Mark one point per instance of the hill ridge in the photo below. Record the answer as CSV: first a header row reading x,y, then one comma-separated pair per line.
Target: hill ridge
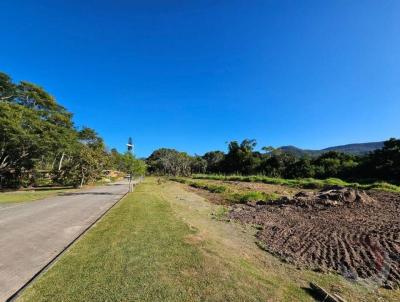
x,y
353,148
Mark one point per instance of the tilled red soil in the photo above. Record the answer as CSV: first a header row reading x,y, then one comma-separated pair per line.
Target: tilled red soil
x,y
356,239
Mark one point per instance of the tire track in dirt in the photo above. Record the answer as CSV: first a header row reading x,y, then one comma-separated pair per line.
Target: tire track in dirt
x,y
358,240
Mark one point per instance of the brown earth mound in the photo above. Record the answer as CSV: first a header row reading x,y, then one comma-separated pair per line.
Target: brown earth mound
x,y
354,233
335,196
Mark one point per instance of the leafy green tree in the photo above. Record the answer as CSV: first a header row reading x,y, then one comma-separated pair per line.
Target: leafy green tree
x,y
86,162
7,87
198,165
116,161
276,163
127,163
37,136
20,145
83,166
239,158
334,164
90,138
169,162
34,130
214,161
132,165
301,168
383,163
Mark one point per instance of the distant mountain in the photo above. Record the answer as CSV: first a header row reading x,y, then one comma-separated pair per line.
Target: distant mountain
x,y
355,149
299,152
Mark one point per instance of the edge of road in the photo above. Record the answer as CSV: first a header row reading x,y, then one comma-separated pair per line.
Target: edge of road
x,y
16,294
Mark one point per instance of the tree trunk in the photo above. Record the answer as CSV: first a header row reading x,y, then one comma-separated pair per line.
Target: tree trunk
x,y
83,178
61,160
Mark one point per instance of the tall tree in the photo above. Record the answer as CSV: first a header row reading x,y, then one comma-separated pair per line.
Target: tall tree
x,y
169,162
87,160
214,160
7,88
384,163
36,133
239,158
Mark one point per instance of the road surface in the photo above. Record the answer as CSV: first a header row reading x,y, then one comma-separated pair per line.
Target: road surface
x,y
33,233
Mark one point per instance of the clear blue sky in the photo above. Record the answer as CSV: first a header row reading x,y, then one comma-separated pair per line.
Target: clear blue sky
x,y
193,75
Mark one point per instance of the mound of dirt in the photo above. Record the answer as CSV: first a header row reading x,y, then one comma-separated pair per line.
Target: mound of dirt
x,y
354,233
335,196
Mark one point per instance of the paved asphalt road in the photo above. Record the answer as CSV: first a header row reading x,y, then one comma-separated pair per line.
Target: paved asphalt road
x,y
33,233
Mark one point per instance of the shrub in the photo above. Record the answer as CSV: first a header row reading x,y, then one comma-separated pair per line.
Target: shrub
x,y
178,179
216,188
252,196
200,185
335,182
382,186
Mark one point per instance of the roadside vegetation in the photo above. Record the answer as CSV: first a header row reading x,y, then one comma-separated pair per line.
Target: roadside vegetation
x,y
303,183
22,196
40,145
230,195
378,170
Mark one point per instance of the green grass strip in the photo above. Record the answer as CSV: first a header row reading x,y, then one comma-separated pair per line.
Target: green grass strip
x,y
305,183
23,196
140,251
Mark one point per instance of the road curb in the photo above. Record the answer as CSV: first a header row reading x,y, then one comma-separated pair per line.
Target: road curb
x,y
55,258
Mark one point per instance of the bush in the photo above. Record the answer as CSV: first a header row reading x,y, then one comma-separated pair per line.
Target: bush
x,y
216,188
252,196
178,179
200,185
381,186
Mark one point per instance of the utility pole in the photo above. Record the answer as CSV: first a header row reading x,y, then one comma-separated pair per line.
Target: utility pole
x,y
130,150
130,145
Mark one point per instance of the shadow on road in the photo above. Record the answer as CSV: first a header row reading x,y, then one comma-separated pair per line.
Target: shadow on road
x,y
86,193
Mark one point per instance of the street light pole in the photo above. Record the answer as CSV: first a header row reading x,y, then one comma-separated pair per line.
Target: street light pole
x,y
130,145
130,184
130,150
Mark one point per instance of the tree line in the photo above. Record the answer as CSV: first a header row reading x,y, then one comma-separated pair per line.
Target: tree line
x,y
39,142
241,158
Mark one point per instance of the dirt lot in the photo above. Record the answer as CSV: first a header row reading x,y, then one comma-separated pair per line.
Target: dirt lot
x,y
267,188
212,197
360,239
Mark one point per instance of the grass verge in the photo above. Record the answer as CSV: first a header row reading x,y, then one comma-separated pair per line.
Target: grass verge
x,y
305,183
23,196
